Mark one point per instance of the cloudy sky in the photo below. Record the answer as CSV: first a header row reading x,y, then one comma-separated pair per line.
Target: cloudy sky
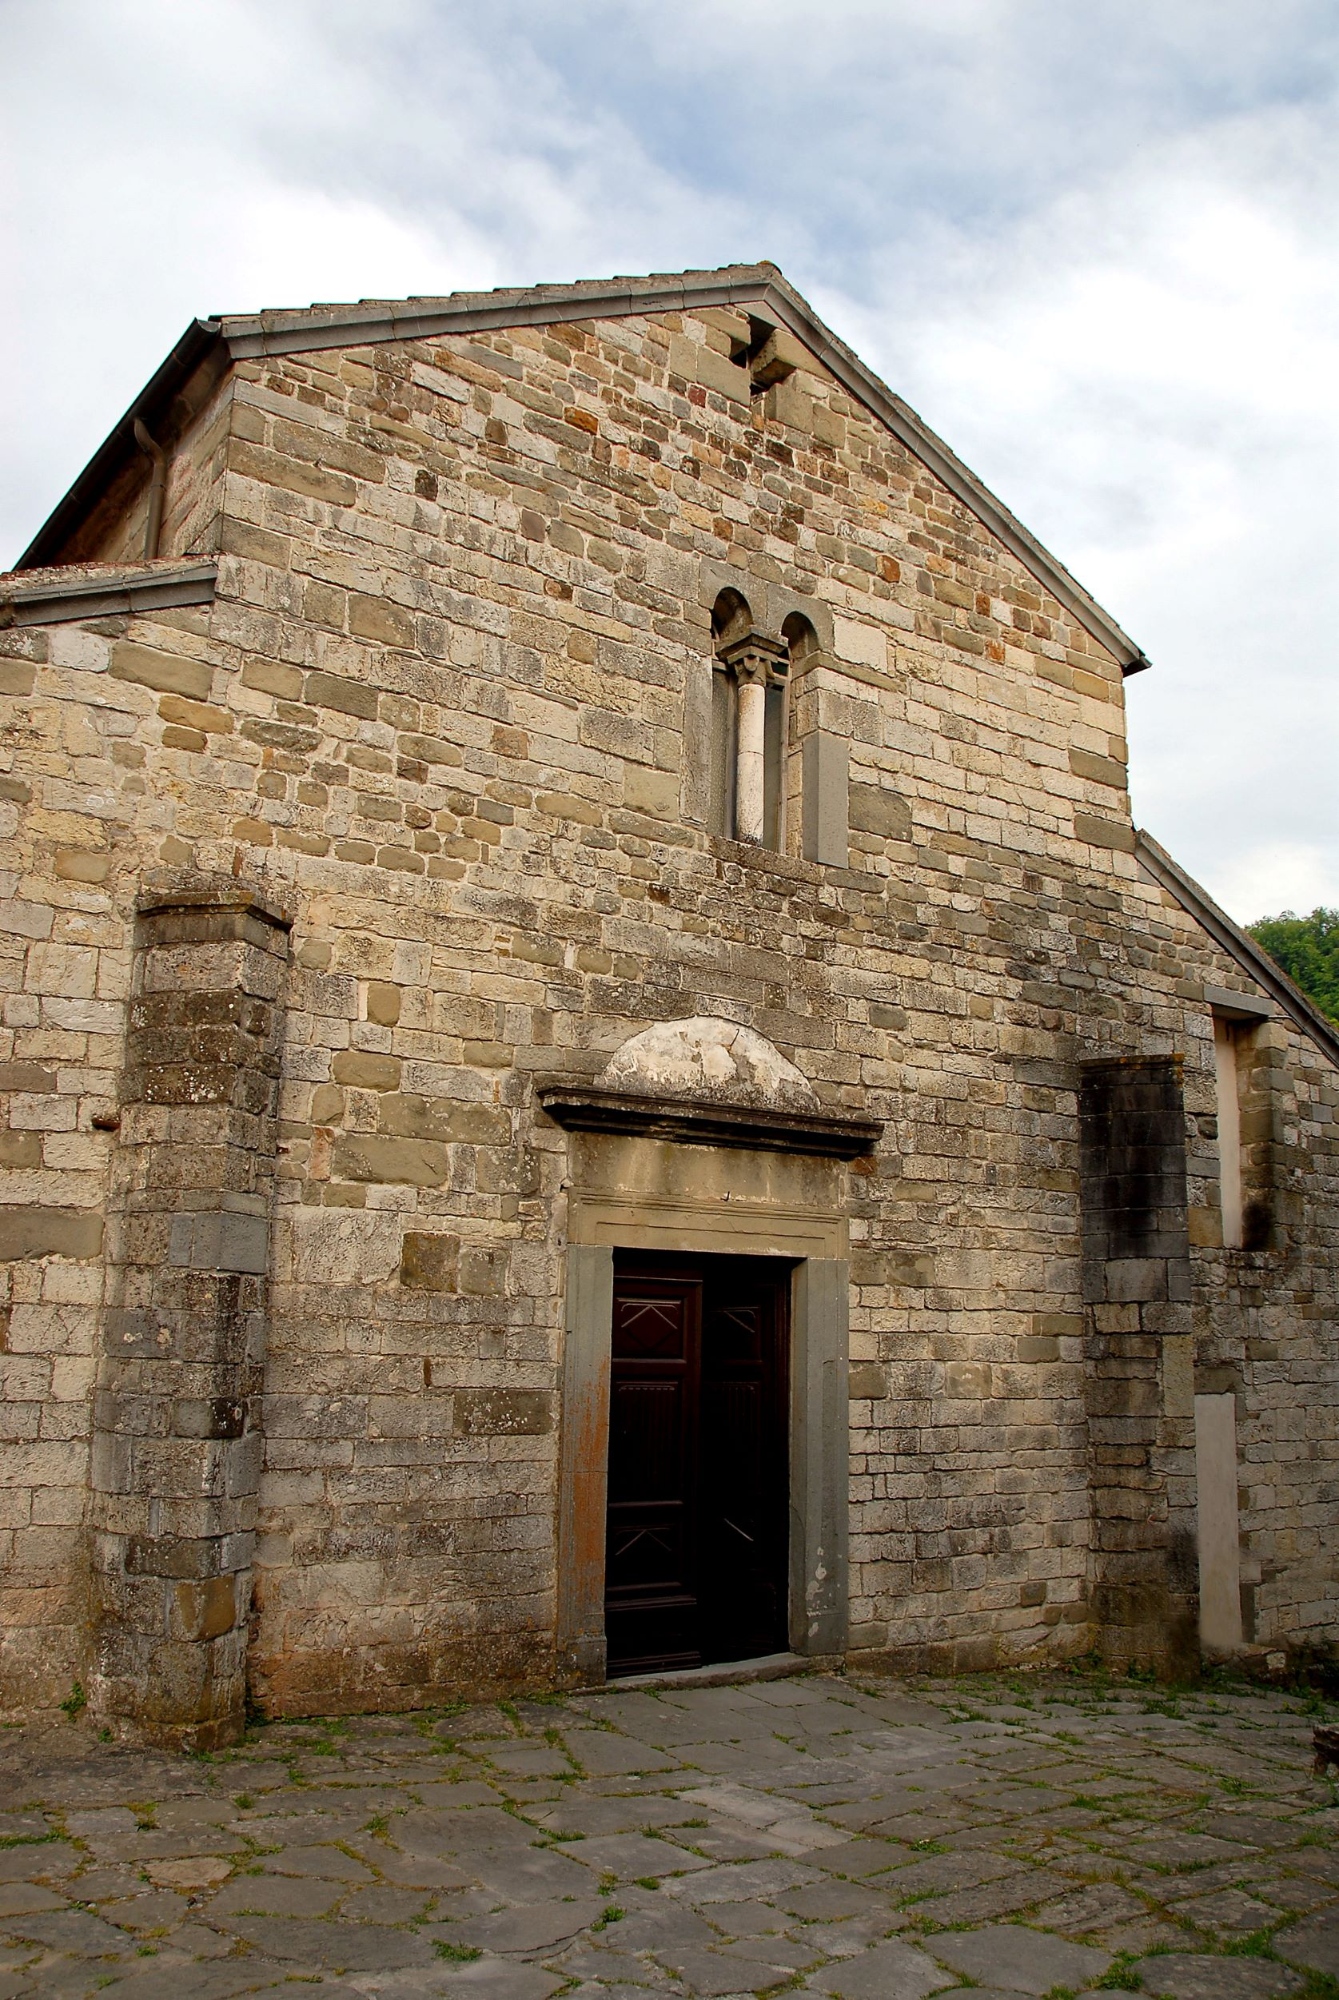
x,y
1096,245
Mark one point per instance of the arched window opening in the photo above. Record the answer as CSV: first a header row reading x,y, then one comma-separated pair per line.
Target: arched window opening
x,y
748,737
775,717
724,751
818,774
731,620
801,641
750,721
802,652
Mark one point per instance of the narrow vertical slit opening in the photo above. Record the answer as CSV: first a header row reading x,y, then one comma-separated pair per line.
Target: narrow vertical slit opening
x,y
1228,1087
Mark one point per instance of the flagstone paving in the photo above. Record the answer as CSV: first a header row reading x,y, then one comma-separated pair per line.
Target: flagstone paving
x,y
832,1836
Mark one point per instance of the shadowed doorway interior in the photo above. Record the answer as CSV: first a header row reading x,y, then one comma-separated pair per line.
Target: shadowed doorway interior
x,y
696,1556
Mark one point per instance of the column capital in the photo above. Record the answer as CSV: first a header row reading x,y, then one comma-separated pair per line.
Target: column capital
x,y
756,657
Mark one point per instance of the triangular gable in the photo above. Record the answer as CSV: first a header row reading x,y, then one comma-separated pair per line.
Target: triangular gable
x,y
756,288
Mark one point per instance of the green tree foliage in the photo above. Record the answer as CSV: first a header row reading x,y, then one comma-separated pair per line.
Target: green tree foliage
x,y
1308,950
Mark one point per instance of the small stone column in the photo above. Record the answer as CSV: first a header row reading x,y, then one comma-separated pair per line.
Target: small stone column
x,y
177,1443
753,661
750,775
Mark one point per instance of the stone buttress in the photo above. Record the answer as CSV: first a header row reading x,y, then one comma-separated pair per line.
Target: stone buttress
x,y
176,1443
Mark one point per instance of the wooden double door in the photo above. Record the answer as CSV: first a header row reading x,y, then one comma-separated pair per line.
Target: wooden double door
x,y
696,1554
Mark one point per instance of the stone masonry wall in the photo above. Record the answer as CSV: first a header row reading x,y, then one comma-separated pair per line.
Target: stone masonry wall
x,y
181,1369
194,433
1137,1290
73,777
448,708
1261,1320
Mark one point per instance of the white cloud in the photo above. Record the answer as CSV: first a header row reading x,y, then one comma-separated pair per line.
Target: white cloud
x,y
1096,247
1252,884
1147,372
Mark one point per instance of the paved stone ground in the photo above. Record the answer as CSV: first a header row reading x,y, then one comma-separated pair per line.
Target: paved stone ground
x,y
1020,1835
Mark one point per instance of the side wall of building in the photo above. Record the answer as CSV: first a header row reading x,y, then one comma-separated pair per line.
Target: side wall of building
x,y
1264,1318
89,711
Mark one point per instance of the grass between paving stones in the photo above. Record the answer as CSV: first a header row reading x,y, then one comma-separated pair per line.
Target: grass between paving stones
x,y
323,1738
1120,1976
429,1720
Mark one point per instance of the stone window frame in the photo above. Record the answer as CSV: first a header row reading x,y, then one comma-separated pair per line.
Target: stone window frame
x,y
782,811
1245,1148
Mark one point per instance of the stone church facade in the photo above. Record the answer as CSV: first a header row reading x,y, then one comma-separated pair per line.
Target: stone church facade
x,y
595,1076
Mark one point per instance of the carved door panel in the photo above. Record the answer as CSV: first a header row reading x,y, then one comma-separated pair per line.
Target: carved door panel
x,y
743,1482
696,1551
651,1606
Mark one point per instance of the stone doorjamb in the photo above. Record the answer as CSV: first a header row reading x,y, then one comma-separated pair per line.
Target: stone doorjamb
x,y
692,1211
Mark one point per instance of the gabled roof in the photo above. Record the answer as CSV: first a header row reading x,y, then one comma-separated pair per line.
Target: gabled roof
x,y
1254,961
758,288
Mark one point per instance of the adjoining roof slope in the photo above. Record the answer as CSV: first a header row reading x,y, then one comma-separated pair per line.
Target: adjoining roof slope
x,y
1254,961
760,288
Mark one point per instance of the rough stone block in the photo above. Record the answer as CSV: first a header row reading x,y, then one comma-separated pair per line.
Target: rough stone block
x,y
429,1263
49,1232
502,1412
166,673
408,1162
878,809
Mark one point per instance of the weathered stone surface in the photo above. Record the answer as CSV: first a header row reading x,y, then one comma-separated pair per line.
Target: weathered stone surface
x,y
498,1979
1314,1944
1194,1976
69,1930
1020,1960
429,1263
474,770
48,1232
274,1896
532,1926
502,1412
893,1970
712,1057
631,1856
25,1899
340,1947
340,1845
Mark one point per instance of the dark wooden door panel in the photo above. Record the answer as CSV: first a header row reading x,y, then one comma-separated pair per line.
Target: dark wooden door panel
x,y
651,1613
744,1504
696,1555
649,1328
646,1440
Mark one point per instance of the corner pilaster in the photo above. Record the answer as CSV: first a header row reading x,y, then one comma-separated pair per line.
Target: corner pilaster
x,y
177,1439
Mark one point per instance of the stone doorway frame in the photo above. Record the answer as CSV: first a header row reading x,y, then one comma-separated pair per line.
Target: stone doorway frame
x,y
819,1441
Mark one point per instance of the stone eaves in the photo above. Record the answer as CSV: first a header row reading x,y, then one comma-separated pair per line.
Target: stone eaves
x,y
758,288
104,590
